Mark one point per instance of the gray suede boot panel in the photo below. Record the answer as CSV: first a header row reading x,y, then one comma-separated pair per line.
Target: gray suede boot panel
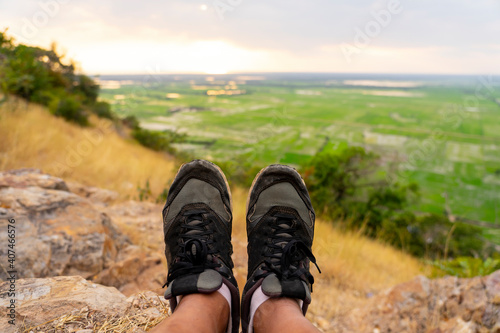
x,y
209,280
197,191
281,194
271,285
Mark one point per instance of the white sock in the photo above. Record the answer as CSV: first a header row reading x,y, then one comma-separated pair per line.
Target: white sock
x,y
258,298
224,291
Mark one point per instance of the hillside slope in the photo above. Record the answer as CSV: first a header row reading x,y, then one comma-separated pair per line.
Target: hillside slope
x,y
354,267
97,155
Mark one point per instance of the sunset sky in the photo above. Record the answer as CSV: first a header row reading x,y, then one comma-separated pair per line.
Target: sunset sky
x,y
186,36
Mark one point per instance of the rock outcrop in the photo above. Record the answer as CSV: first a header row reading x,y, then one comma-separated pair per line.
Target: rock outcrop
x,y
141,266
98,196
71,303
57,232
439,306
65,229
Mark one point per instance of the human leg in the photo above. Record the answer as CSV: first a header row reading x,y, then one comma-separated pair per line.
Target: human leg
x,y
204,313
281,314
197,223
280,228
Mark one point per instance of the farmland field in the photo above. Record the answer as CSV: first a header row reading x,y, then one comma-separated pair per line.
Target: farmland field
x,y
441,132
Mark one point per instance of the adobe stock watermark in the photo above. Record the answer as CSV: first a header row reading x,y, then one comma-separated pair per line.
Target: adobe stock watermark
x,y
75,155
262,146
138,91
372,29
453,116
47,10
223,6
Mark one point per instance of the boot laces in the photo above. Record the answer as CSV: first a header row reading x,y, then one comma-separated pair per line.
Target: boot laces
x,y
286,252
195,252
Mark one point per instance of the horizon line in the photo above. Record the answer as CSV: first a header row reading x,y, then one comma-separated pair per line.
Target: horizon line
x,y
291,72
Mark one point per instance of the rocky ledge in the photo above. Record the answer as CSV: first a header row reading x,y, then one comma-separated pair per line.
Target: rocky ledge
x,y
422,305
73,304
70,229
85,263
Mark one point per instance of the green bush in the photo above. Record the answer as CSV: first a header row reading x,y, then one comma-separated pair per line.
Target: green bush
x,y
434,236
240,170
347,184
103,110
40,76
131,122
69,109
144,193
335,176
465,267
24,75
157,140
87,88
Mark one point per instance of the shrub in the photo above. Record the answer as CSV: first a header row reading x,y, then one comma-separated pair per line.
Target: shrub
x,y
69,109
466,267
240,170
131,122
157,140
347,184
103,110
40,76
434,236
144,193
87,88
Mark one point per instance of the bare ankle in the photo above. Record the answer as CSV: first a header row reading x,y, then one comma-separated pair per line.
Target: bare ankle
x,y
198,313
281,314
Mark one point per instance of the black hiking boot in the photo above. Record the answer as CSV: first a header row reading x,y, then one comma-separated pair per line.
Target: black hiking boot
x,y
197,228
280,229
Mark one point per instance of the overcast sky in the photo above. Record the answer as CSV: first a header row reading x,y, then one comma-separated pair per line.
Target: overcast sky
x,y
386,36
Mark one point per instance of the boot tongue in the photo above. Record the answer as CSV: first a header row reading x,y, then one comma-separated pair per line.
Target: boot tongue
x,y
194,223
285,238
296,288
196,251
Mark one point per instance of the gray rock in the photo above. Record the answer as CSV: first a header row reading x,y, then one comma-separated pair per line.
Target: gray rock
x,y
57,232
97,196
41,300
73,304
422,305
22,178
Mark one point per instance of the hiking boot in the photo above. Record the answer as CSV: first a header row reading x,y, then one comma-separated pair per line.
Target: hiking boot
x,y
280,229
197,228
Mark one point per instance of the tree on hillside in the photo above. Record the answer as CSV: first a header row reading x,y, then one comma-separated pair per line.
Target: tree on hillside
x,y
334,177
41,76
347,183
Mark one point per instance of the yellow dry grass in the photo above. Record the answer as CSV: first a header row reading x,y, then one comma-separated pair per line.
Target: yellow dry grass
x,y
97,156
353,266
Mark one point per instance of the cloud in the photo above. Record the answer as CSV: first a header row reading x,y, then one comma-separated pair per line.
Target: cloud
x,y
266,30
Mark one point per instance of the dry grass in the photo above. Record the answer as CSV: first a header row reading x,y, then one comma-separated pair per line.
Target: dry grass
x,y
97,156
353,266
138,318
